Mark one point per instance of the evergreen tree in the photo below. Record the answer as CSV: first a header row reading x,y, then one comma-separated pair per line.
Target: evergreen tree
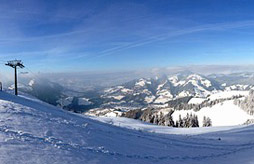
x,y
180,121
207,122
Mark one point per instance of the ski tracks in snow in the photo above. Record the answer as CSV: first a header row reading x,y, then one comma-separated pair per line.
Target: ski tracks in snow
x,y
205,148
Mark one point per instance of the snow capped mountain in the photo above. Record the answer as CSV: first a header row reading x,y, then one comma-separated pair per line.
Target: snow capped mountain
x,y
180,94
159,91
238,87
194,79
142,82
136,94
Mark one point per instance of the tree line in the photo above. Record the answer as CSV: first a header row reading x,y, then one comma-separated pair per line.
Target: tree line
x,y
155,116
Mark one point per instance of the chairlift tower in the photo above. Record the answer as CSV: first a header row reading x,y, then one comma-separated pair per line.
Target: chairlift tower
x,y
15,64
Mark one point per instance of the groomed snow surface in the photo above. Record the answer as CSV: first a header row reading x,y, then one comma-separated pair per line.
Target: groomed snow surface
x,y
34,132
222,114
228,94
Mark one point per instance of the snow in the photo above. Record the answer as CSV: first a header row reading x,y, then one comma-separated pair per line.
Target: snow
x,y
196,100
165,93
119,97
161,85
164,96
31,83
174,80
146,91
228,94
65,102
165,111
199,90
162,100
201,84
160,105
223,114
142,82
125,90
206,83
110,90
149,99
35,132
148,127
194,78
182,82
237,87
114,89
184,94
224,84
84,101
113,114
25,87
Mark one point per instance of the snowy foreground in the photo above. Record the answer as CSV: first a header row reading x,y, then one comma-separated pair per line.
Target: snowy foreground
x,y
35,132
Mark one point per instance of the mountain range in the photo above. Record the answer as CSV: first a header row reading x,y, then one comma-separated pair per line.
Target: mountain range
x,y
138,93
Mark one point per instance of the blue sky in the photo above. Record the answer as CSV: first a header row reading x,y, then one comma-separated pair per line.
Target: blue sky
x,y
99,35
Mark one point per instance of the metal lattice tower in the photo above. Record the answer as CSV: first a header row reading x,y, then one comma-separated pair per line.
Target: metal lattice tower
x,y
15,64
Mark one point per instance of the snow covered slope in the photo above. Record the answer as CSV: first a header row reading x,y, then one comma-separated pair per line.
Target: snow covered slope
x,y
35,132
223,114
152,128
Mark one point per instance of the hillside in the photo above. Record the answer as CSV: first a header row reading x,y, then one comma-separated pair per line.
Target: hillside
x,y
34,132
219,108
223,114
